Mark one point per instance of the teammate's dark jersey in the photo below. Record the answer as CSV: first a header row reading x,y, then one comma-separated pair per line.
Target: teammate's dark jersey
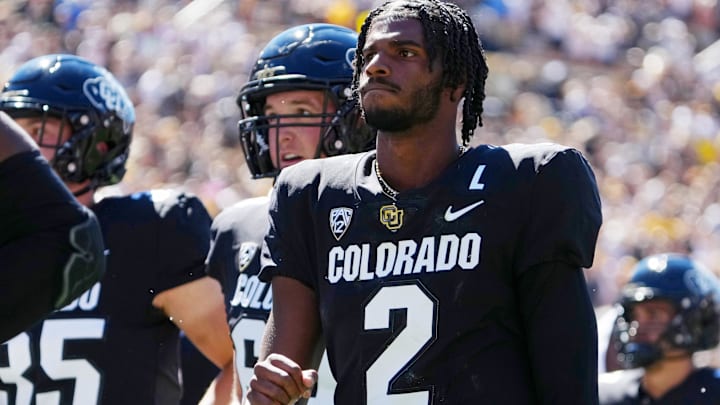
x,y
111,346
197,371
623,387
234,260
418,298
50,246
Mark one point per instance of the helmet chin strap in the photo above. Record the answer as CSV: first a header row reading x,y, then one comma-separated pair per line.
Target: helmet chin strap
x,y
90,186
83,191
640,355
321,145
676,356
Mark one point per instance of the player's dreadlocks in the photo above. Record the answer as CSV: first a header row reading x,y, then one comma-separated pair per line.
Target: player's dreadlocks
x,y
463,59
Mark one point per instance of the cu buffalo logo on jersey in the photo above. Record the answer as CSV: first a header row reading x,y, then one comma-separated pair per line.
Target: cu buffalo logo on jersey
x,y
340,221
391,217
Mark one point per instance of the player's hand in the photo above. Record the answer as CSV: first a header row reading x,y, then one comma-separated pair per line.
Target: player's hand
x,y
279,380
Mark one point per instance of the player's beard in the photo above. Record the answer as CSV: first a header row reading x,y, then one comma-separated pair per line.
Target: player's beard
x,y
424,102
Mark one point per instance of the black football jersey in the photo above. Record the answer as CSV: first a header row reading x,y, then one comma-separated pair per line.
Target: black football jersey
x,y
234,260
197,372
416,297
111,345
50,246
623,387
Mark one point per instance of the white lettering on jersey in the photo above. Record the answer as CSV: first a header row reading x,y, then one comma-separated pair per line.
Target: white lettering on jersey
x,y
396,258
250,292
475,182
87,301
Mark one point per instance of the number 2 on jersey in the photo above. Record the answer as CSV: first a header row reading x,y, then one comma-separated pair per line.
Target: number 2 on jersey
x,y
400,353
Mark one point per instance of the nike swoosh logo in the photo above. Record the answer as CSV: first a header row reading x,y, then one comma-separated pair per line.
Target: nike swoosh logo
x,y
451,216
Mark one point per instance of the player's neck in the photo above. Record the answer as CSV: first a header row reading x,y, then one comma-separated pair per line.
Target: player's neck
x,y
82,192
409,162
665,374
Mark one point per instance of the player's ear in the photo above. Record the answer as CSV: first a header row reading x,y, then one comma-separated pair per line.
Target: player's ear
x,y
457,93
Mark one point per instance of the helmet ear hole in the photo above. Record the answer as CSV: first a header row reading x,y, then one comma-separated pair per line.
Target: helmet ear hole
x,y
341,92
102,147
332,142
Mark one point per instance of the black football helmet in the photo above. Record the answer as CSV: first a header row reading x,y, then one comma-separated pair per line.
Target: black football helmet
x,y
693,291
305,57
90,99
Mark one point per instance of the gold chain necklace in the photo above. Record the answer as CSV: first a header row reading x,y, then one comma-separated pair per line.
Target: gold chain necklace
x,y
390,192
386,189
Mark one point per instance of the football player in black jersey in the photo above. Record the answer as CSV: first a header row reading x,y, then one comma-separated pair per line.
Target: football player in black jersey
x,y
118,342
668,310
432,272
51,248
295,106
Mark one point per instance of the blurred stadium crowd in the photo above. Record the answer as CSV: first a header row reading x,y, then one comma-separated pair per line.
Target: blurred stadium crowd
x,y
635,85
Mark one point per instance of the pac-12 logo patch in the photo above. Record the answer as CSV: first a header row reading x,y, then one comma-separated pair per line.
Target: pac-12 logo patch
x,y
340,221
247,252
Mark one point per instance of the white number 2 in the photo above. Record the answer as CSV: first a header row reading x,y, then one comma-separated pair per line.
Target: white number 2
x,y
419,330
52,339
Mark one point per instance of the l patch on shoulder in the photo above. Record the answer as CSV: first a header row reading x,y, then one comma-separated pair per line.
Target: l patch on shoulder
x,y
340,221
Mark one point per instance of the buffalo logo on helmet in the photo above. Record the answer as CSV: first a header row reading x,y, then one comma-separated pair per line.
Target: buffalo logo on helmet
x,y
106,95
350,56
269,71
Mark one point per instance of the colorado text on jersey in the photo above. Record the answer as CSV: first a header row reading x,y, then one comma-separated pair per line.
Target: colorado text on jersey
x,y
394,258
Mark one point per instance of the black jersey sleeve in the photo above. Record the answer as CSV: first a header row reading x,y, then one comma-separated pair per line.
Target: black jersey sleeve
x,y
558,240
185,232
51,248
237,234
219,256
564,210
560,326
288,245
